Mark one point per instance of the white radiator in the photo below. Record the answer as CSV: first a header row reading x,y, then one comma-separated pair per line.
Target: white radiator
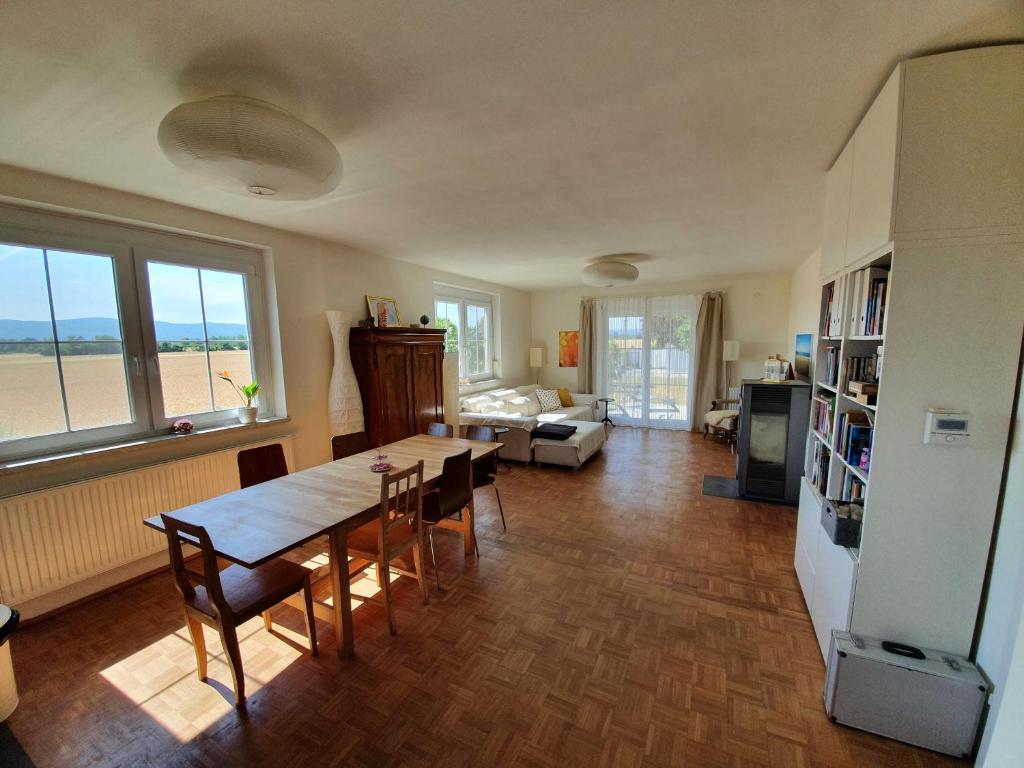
x,y
64,543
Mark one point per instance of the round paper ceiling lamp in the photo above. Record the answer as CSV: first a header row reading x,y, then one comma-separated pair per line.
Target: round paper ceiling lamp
x,y
608,274
250,147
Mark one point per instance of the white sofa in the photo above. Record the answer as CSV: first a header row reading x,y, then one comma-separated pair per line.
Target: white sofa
x,y
518,409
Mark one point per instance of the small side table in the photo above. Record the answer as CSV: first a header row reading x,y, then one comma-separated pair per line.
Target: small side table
x,y
498,431
606,400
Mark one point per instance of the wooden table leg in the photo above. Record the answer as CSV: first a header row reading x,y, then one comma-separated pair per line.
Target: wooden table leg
x,y
342,597
468,529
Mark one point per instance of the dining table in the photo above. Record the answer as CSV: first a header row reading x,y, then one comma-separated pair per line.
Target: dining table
x,y
254,525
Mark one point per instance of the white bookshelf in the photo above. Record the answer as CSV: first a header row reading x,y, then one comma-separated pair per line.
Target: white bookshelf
x,y
951,338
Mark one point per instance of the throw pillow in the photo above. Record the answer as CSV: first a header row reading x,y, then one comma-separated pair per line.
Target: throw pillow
x,y
565,397
549,400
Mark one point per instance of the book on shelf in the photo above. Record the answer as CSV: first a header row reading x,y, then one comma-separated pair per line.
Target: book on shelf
x,y
854,428
819,467
833,322
853,488
858,447
831,366
867,305
824,406
864,369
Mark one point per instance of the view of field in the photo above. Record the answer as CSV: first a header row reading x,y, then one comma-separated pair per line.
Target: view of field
x,y
30,402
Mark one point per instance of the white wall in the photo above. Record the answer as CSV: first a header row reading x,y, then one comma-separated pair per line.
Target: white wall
x,y
755,313
804,301
310,276
1001,645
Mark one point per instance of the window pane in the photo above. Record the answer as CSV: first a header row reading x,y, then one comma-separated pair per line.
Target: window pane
x,y
94,379
227,333
89,339
24,303
181,338
477,340
84,296
31,403
446,315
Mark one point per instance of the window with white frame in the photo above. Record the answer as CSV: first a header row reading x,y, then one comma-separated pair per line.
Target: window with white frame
x,y
468,317
108,332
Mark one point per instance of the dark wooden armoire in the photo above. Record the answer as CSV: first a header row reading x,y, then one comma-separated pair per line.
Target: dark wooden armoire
x,y
399,374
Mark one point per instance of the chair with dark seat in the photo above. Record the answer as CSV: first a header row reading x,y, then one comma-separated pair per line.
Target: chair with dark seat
x,y
257,465
398,529
485,471
267,462
349,445
437,429
454,493
225,599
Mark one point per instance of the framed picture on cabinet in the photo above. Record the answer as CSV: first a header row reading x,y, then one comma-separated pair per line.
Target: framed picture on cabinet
x,y
384,311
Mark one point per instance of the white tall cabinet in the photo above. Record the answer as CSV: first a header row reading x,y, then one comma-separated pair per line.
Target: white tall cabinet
x,y
931,187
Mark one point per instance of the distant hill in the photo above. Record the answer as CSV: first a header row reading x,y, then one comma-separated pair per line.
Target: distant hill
x,y
90,327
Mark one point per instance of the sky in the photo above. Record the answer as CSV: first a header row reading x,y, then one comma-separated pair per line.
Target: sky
x,y
83,286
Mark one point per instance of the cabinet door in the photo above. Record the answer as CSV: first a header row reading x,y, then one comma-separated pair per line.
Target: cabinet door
x,y
394,380
961,153
873,180
808,521
837,213
835,574
428,397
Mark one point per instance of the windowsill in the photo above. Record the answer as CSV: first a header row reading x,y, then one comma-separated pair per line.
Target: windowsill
x,y
75,465
479,386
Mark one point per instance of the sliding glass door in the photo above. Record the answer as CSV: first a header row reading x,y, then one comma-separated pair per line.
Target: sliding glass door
x,y
644,361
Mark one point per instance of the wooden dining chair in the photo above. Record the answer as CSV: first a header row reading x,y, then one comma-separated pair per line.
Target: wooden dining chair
x,y
349,445
437,429
453,494
264,463
485,471
225,599
397,530
260,464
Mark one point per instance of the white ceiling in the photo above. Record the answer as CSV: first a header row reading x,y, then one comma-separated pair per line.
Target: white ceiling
x,y
507,140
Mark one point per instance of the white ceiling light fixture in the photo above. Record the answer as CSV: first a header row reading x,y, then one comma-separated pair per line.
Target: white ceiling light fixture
x,y
250,147
611,271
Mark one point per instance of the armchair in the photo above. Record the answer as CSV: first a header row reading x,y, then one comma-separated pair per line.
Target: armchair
x,y
721,420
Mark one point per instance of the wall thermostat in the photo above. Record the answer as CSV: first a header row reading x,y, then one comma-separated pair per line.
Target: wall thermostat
x,y
946,427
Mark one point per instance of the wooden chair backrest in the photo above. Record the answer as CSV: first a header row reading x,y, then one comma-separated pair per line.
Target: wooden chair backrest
x,y
478,432
437,429
185,579
260,464
456,485
349,445
401,499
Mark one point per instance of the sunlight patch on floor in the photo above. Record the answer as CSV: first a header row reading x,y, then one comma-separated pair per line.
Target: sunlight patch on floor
x,y
161,678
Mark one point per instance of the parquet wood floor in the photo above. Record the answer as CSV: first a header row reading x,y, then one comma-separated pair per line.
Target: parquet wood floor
x,y
623,620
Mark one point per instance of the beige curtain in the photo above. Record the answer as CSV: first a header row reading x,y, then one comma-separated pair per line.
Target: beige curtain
x,y
708,367
585,369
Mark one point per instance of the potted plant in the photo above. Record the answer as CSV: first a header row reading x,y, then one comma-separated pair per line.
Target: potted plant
x,y
248,392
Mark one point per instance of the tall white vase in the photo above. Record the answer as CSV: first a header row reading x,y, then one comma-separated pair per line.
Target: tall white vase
x,y
344,404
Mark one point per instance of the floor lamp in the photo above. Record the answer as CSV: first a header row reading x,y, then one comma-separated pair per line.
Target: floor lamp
x,y
730,354
537,360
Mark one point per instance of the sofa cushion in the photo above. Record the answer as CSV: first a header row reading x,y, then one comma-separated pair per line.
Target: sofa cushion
x,y
475,403
526,406
565,397
549,400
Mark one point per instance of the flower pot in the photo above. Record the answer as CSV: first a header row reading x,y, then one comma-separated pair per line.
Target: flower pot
x,y
247,415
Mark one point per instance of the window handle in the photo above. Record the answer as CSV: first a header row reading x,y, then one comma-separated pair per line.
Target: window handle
x,y
136,365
